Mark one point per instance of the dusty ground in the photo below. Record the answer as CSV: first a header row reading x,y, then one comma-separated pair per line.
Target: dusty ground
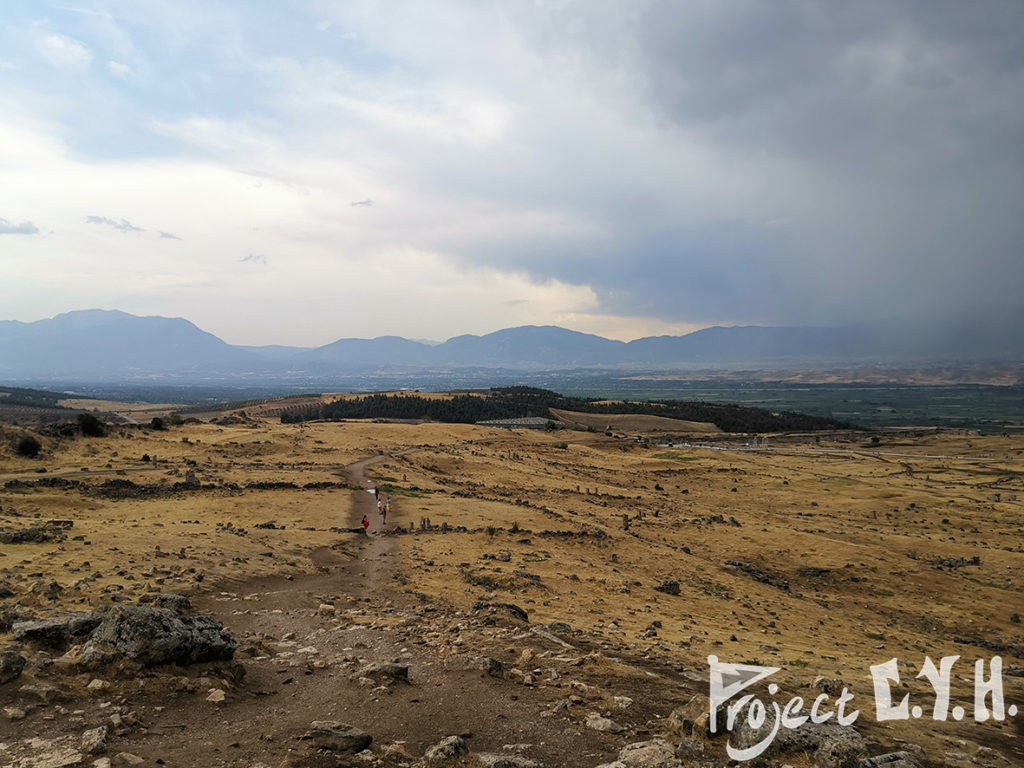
x,y
820,557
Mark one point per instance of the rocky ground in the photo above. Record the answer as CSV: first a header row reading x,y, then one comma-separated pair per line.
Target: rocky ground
x,y
534,600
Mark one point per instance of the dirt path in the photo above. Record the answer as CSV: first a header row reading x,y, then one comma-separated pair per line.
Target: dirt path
x,y
263,718
305,665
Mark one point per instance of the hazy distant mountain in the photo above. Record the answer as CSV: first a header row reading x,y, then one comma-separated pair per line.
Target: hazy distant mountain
x,y
99,343
755,343
273,351
363,353
104,345
530,346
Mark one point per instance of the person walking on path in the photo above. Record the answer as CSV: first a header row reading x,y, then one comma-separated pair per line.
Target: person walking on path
x,y
376,493
366,524
380,507
387,507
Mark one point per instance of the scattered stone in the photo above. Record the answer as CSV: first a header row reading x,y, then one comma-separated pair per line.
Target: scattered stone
x,y
656,753
98,685
58,757
493,760
127,758
987,756
511,609
216,696
690,749
50,590
447,748
486,664
385,670
682,719
8,618
833,686
603,724
56,634
94,741
326,609
14,713
33,535
40,692
669,587
338,737
760,575
890,760
173,602
11,666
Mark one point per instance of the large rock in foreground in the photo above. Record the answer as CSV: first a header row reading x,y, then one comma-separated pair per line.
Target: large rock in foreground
x,y
829,745
153,636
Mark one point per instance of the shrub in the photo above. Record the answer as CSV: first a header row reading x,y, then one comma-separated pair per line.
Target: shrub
x,y
90,426
157,423
28,447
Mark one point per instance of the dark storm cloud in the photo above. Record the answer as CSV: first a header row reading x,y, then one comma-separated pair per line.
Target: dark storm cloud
x,y
884,142
123,225
24,228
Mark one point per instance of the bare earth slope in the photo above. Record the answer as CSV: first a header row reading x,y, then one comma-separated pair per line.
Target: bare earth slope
x,y
634,423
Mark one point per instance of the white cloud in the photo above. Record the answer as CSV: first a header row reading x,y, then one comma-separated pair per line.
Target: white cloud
x,y
333,278
24,228
119,70
63,51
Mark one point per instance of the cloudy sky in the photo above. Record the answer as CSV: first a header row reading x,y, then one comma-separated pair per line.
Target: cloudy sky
x,y
296,172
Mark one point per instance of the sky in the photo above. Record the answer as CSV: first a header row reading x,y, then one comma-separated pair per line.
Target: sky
x,y
293,173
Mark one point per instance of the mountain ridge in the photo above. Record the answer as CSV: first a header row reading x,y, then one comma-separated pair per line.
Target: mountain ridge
x,y
111,342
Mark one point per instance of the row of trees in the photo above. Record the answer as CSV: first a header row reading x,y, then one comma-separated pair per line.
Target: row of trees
x,y
517,402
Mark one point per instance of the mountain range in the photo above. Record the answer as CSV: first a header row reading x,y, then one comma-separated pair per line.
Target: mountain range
x,y
101,344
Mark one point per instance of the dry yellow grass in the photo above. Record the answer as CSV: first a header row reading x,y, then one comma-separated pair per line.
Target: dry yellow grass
x,y
635,423
817,562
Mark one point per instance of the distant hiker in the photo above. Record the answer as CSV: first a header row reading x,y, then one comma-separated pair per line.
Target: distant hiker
x,y
380,507
384,516
366,524
376,493
387,507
